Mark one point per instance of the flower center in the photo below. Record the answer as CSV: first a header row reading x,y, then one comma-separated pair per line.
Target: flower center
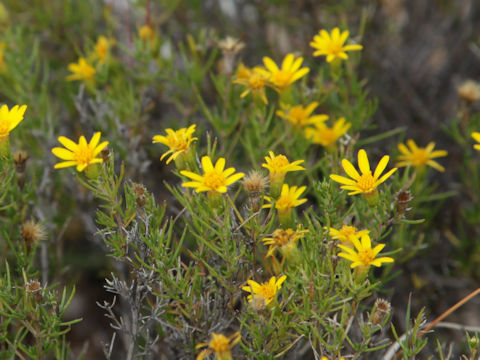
x,y
283,237
177,142
214,179
267,291
297,115
281,78
257,81
219,344
366,182
335,48
366,256
420,157
327,136
284,204
83,155
279,162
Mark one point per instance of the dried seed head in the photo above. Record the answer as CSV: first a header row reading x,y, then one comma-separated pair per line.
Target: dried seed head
x,y
231,45
32,232
258,303
105,154
402,199
20,157
255,183
32,286
381,310
139,190
469,91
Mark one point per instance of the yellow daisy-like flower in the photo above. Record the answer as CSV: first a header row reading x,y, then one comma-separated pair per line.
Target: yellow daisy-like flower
x,y
102,47
333,45
419,157
365,183
9,119
81,71
300,116
215,178
282,78
146,33
254,80
264,293
220,345
327,136
347,233
278,165
289,198
283,239
178,141
476,137
363,254
80,155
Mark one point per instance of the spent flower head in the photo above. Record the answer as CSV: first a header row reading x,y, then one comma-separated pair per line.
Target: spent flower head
x,y
263,294
301,116
214,178
81,71
332,45
419,157
469,91
362,254
327,136
366,183
80,155
178,141
283,239
282,78
220,345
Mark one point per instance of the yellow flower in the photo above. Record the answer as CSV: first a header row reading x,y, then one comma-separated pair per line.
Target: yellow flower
x,y
146,33
332,45
326,136
263,293
80,155
102,48
254,80
364,255
419,157
300,116
365,183
81,71
476,137
178,141
9,119
285,240
289,198
282,78
278,165
347,233
220,345
215,178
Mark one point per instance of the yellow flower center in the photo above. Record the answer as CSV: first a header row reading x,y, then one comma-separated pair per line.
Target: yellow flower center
x,y
366,182
284,204
214,179
334,48
297,115
278,162
177,142
348,231
420,157
282,78
256,81
327,137
266,291
219,343
84,154
366,256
